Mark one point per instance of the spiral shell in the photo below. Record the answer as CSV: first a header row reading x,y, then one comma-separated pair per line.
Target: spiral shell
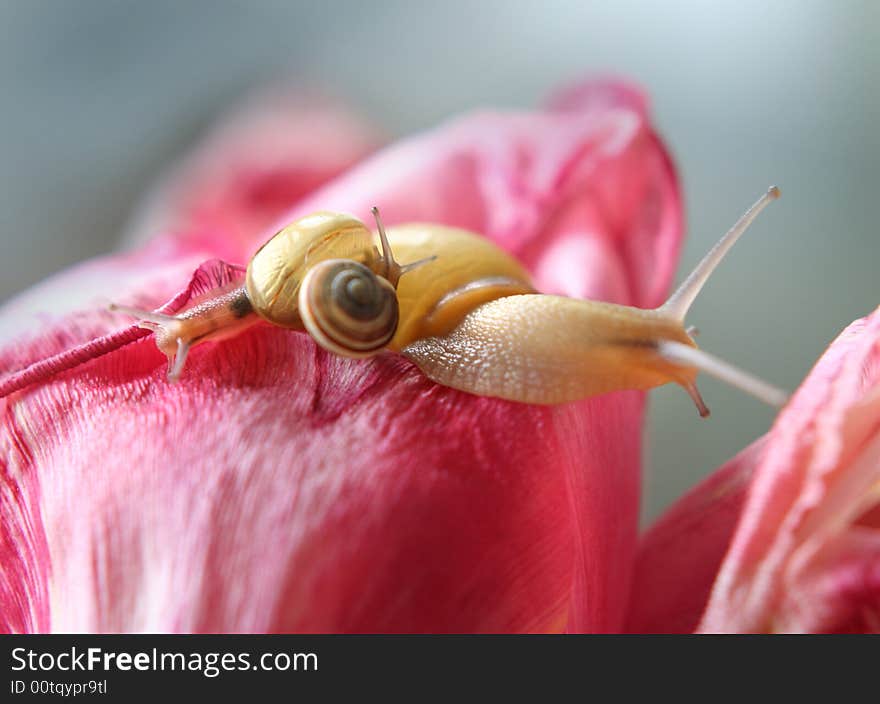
x,y
347,308
277,270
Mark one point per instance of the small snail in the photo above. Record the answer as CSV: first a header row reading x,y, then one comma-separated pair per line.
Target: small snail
x,y
322,274
471,319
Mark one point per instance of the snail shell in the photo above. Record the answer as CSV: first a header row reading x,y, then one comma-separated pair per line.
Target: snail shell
x,y
347,308
277,270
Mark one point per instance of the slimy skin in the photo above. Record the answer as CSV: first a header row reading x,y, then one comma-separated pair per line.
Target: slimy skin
x,y
551,349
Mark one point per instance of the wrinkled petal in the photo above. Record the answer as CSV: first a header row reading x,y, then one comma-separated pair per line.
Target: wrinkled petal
x,y
805,556
280,488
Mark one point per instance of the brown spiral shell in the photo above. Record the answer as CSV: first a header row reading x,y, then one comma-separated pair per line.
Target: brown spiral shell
x,y
347,308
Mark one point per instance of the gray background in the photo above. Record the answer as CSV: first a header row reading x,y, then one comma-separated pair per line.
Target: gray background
x,y
99,96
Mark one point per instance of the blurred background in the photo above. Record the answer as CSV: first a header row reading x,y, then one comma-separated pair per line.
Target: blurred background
x,y
99,97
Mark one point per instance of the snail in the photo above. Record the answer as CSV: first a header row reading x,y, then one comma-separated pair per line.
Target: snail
x,y
471,319
321,274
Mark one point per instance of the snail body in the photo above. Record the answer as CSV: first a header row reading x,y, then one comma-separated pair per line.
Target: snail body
x,y
547,349
578,349
470,319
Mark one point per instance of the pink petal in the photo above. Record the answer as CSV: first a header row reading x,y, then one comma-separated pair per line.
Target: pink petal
x,y
280,488
280,146
805,553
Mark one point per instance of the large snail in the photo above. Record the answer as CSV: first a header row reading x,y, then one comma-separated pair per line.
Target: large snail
x,y
470,318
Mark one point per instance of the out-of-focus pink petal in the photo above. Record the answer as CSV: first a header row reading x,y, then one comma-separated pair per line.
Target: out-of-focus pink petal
x,y
805,553
679,556
282,145
277,487
601,94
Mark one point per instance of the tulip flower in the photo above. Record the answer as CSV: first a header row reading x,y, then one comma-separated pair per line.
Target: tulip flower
x,y
277,487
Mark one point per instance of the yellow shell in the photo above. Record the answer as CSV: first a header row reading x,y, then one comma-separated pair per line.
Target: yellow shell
x,y
276,271
469,270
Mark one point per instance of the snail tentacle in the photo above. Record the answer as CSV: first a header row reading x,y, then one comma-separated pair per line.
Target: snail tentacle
x,y
176,363
392,269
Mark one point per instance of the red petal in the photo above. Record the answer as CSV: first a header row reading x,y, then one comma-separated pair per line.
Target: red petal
x,y
679,557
